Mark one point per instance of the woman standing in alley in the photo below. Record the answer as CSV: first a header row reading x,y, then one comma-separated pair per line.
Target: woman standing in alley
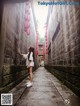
x,y
29,63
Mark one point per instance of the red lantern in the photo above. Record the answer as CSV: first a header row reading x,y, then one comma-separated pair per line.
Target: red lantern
x,y
28,31
43,58
46,41
36,43
27,18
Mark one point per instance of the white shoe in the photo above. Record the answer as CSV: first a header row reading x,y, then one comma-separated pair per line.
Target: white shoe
x,y
29,84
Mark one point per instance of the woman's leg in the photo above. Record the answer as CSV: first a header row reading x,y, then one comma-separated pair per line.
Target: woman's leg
x,y
30,71
29,84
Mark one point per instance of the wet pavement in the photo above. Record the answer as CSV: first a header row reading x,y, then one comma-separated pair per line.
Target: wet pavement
x,y
47,90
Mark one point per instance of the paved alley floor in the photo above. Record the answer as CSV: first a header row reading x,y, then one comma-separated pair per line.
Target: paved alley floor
x,y
47,90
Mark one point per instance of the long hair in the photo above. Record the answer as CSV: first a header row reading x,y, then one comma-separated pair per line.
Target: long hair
x,y
31,49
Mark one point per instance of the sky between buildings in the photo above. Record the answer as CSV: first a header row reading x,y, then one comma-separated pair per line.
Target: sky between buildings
x,y
41,16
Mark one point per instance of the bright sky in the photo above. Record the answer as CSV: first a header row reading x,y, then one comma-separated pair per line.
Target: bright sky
x,y
41,15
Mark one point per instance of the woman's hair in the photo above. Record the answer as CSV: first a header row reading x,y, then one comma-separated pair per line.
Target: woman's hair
x,y
31,49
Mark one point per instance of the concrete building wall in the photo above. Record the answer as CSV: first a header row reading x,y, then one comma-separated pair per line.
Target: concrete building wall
x,y
2,43
64,38
67,18
13,33
13,68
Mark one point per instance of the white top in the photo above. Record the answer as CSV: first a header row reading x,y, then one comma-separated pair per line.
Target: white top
x,y
29,63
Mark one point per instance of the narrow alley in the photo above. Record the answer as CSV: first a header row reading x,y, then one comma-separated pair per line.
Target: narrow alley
x,y
47,90
40,52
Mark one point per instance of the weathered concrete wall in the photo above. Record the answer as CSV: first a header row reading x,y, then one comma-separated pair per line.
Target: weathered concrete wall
x,y
12,75
1,13
70,76
14,37
2,39
1,61
63,34
65,45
